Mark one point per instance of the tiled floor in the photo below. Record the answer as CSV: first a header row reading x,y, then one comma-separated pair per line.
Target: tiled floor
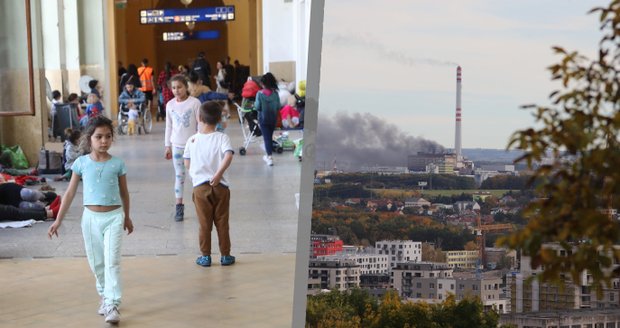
x,y
48,284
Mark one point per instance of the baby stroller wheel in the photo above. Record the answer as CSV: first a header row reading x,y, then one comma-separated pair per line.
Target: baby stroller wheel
x,y
120,124
241,151
147,122
279,150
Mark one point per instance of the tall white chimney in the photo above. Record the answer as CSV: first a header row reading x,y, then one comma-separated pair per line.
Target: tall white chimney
x,y
457,132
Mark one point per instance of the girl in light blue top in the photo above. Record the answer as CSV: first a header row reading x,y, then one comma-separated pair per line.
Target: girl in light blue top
x,y
106,211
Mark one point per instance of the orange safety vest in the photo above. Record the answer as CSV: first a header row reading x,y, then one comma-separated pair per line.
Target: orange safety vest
x,y
146,78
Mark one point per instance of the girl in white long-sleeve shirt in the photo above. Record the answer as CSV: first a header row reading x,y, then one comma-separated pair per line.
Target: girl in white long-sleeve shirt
x,y
181,123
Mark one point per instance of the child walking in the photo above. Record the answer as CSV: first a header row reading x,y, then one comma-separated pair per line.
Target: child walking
x,y
207,155
106,212
181,123
267,105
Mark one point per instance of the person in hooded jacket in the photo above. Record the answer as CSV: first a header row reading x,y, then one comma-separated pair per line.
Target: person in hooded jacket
x,y
267,105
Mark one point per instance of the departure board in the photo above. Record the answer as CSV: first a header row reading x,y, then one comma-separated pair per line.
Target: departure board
x,y
182,15
194,35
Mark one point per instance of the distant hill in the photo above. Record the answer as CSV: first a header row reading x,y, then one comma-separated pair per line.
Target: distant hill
x,y
491,155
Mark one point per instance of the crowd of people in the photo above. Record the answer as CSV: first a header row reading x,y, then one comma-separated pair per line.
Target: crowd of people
x,y
194,141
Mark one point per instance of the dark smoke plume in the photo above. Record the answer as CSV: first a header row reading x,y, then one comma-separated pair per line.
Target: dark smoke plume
x,y
370,43
362,139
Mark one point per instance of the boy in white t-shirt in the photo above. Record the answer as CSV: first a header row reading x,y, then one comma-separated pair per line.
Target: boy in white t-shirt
x,y
207,155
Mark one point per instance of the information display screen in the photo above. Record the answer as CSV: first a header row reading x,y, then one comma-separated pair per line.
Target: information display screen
x,y
195,35
182,15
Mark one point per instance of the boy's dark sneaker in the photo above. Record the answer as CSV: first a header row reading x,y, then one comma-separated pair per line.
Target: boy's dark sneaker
x,y
227,260
178,216
204,261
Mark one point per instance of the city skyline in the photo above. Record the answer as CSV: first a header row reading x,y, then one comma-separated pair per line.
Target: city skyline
x,y
398,63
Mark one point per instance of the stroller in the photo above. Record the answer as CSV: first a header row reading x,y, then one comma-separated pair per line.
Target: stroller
x,y
145,119
248,117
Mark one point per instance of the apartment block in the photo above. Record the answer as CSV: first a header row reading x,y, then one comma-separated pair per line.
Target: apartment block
x,y
321,245
424,281
462,259
369,263
488,286
400,251
338,273
534,296
434,282
585,318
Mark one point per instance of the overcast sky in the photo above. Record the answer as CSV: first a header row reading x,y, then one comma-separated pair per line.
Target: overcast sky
x,y
397,60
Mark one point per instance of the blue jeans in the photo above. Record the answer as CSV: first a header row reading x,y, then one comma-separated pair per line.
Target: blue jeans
x,y
267,130
31,199
103,232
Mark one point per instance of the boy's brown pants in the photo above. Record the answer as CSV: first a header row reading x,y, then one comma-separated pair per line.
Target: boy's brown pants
x,y
212,207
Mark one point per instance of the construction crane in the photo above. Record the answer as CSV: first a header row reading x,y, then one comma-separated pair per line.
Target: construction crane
x,y
481,230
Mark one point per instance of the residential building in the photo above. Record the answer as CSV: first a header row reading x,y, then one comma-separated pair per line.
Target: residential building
x,y
462,259
495,257
321,245
487,286
376,284
428,281
534,296
400,251
351,249
417,202
584,318
368,262
338,273
461,206
434,282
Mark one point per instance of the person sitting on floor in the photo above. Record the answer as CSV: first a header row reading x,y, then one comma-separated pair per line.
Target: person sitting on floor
x,y
289,114
72,151
132,118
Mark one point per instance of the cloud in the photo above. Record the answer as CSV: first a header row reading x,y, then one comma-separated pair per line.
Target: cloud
x,y
362,139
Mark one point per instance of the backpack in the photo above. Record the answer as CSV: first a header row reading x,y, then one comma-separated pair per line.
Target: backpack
x,y
250,89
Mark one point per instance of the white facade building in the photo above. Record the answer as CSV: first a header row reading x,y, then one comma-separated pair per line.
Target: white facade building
x,y
369,263
400,251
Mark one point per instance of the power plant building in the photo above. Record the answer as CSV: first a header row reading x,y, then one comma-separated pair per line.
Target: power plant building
x,y
432,163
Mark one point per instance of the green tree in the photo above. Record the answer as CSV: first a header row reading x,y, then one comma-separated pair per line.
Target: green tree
x,y
331,310
579,131
356,308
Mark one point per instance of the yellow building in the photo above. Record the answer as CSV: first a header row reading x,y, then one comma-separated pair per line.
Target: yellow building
x,y
462,259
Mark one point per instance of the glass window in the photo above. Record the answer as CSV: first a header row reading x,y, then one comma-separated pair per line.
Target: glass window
x,y
16,59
